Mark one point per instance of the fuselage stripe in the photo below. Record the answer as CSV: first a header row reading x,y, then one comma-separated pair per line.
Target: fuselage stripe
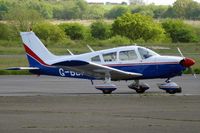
x,y
135,64
32,54
38,61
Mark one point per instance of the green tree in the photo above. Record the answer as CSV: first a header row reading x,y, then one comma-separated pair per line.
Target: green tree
x,y
159,11
116,12
193,10
180,7
72,9
22,18
5,31
144,10
179,31
49,32
3,9
45,9
94,12
137,26
75,31
81,7
170,13
100,30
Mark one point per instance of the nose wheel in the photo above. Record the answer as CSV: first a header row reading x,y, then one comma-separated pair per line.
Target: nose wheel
x,y
170,87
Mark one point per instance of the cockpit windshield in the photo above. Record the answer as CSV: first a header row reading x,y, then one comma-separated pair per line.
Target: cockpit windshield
x,y
146,53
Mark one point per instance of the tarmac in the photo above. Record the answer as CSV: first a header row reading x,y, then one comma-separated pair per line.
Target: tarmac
x,y
52,104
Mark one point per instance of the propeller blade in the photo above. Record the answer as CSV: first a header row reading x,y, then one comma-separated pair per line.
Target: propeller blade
x,y
190,68
193,73
180,52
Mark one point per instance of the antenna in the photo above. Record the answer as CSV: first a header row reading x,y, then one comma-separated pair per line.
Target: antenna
x,y
90,48
70,52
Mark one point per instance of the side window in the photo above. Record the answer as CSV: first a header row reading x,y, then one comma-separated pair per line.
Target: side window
x,y
145,53
96,59
127,55
110,57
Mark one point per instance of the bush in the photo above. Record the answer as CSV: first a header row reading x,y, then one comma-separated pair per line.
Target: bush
x,y
7,32
137,26
4,31
179,31
94,12
75,31
49,32
100,30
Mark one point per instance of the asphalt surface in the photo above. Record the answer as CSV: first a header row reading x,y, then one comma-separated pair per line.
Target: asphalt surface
x,y
30,104
46,85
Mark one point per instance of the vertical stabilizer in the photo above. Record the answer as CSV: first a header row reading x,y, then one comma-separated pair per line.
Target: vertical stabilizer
x,y
35,49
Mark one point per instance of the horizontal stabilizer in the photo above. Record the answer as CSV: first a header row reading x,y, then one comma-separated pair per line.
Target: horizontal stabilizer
x,y
22,68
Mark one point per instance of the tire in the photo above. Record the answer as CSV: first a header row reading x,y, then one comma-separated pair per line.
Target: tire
x,y
179,90
140,91
171,91
107,92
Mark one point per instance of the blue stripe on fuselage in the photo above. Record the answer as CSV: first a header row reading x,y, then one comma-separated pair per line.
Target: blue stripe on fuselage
x,y
149,71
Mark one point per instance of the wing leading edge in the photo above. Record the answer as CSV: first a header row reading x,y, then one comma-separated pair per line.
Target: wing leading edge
x,y
96,70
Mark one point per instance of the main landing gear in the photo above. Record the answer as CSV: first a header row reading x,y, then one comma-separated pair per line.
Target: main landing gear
x,y
139,88
170,87
107,87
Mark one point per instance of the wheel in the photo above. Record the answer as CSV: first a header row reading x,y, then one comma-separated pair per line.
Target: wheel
x,y
171,91
140,91
107,92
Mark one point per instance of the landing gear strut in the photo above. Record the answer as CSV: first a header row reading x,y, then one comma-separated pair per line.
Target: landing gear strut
x,y
170,87
139,88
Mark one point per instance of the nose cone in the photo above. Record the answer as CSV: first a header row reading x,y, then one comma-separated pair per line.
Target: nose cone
x,y
187,62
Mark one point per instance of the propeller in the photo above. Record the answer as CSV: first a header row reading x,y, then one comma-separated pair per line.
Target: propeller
x,y
180,52
187,62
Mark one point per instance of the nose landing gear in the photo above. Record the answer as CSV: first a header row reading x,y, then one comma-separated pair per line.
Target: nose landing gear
x,y
170,87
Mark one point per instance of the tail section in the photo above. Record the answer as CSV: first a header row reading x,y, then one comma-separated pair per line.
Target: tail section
x,y
36,50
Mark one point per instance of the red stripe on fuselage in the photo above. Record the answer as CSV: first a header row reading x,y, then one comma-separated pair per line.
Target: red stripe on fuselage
x,y
30,52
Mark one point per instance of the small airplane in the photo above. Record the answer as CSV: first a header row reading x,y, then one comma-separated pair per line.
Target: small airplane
x,y
122,63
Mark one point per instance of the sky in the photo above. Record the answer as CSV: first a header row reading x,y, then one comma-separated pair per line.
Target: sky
x,y
163,2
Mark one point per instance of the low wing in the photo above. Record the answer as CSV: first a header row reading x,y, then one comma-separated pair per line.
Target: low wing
x,y
96,70
22,68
